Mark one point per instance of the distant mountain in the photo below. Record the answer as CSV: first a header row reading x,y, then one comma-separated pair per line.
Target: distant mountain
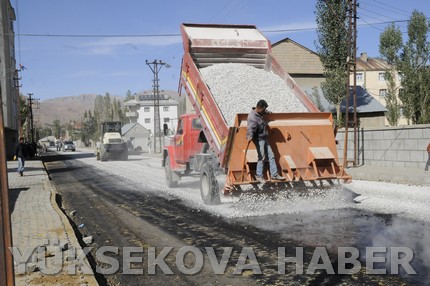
x,y
66,108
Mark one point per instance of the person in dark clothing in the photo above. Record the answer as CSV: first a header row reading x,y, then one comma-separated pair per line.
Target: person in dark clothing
x,y
20,154
257,133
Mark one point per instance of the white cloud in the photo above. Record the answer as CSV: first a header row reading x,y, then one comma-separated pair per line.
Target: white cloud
x,y
108,46
290,28
95,73
84,73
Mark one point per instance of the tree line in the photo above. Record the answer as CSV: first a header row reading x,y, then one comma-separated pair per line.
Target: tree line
x,y
105,109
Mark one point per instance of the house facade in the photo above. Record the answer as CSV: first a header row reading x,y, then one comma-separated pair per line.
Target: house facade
x,y
141,110
303,64
371,76
137,136
9,89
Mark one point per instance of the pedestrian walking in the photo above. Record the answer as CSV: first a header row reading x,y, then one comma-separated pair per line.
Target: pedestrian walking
x,y
428,160
257,132
20,154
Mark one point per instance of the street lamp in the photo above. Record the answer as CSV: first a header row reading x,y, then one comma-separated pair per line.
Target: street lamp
x,y
155,67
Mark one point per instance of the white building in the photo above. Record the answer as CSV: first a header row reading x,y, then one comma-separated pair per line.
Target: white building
x,y
141,110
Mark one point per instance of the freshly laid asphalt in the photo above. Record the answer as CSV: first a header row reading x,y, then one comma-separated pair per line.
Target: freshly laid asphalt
x,y
37,220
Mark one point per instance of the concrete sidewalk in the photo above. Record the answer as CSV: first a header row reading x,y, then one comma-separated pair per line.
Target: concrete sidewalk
x,y
46,249
407,176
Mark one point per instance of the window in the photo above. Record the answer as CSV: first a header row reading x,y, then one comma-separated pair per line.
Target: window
x,y
147,120
382,92
180,128
196,124
400,75
166,120
146,109
359,76
381,76
165,108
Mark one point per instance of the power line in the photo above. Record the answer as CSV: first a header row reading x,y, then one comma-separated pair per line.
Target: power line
x,y
385,8
219,11
388,5
178,35
376,13
362,19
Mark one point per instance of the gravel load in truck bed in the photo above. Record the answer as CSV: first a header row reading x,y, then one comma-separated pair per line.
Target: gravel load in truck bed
x,y
238,87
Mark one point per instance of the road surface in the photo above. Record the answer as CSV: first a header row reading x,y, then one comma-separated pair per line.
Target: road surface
x,y
127,208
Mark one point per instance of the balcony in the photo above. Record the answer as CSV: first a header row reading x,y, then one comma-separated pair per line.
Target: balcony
x,y
131,114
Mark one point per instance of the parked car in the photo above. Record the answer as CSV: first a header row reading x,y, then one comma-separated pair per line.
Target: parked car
x,y
68,145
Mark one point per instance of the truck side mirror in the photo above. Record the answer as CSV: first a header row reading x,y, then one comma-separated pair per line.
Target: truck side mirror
x,y
165,129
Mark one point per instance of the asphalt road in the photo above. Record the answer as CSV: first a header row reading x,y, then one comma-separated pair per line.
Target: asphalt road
x,y
119,214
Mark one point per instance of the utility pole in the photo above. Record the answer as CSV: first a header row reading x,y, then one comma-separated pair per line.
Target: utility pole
x,y
155,67
351,68
30,114
31,101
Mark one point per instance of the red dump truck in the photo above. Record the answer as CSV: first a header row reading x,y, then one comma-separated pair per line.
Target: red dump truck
x,y
206,144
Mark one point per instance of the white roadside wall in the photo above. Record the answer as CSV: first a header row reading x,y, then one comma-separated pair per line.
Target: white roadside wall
x,y
401,146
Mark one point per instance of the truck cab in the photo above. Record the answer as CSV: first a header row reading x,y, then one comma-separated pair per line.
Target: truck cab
x,y
185,141
179,154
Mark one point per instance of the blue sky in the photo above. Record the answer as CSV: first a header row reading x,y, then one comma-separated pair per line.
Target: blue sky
x,y
73,65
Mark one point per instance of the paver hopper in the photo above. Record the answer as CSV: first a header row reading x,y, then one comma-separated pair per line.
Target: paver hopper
x,y
303,144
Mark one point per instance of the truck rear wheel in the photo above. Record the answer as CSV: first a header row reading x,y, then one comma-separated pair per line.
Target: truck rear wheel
x,y
124,156
171,183
209,188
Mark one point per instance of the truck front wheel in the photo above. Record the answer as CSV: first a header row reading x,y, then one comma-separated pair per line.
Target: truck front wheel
x,y
209,188
171,183
103,153
124,155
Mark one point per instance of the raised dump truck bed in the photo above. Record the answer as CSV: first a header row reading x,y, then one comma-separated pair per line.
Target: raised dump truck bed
x,y
303,143
206,45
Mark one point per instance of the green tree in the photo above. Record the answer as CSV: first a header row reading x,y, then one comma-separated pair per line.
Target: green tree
x,y
23,114
413,65
128,96
332,46
316,98
44,132
89,128
108,107
57,128
390,44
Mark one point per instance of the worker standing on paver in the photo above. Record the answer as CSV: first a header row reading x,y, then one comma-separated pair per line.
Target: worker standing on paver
x,y
20,153
428,160
257,132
